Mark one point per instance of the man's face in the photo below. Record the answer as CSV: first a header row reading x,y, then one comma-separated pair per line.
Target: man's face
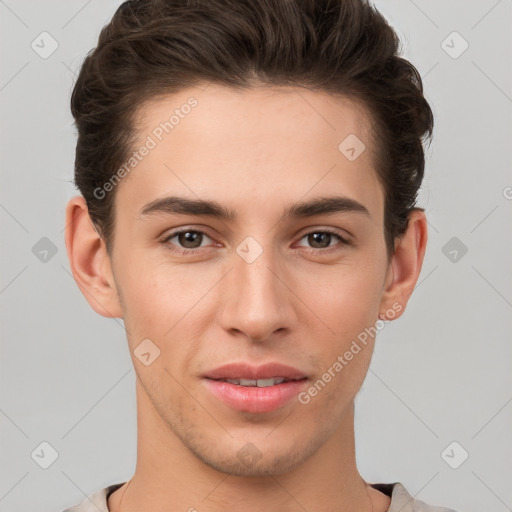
x,y
256,288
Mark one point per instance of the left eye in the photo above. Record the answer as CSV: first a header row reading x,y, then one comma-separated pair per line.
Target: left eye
x,y
322,239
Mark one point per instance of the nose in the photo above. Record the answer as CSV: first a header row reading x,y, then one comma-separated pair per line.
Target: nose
x,y
257,302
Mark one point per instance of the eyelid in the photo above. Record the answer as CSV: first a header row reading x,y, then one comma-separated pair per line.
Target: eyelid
x,y
342,244
325,229
178,231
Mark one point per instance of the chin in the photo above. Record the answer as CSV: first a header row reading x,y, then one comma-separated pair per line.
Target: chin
x,y
255,459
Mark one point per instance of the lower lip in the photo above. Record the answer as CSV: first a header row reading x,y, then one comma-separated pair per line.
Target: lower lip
x,y
255,399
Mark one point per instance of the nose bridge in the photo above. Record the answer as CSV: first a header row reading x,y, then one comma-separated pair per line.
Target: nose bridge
x,y
257,302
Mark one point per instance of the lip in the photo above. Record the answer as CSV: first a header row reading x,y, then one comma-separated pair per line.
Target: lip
x,y
246,371
255,399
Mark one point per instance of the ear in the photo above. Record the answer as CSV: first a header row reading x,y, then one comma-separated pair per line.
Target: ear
x,y
89,261
405,267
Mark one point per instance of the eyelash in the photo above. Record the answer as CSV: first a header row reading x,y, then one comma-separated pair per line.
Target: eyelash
x,y
166,242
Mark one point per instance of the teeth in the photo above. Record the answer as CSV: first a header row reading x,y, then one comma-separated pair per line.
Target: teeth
x,y
260,383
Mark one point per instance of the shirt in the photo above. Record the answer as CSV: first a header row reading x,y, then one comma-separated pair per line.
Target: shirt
x,y
401,500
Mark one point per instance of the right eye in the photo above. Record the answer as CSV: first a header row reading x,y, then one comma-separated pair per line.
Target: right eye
x,y
188,239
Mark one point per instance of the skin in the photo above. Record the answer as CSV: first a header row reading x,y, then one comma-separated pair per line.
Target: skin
x,y
256,152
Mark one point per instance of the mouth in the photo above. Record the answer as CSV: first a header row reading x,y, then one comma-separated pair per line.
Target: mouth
x,y
246,372
260,383
258,390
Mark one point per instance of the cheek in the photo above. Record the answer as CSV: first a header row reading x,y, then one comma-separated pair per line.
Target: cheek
x,y
166,305
347,304
346,297
157,296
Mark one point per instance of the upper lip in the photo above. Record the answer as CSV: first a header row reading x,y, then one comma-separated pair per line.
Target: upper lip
x,y
247,371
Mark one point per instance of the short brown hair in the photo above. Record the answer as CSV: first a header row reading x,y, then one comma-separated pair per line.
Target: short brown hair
x,y
154,47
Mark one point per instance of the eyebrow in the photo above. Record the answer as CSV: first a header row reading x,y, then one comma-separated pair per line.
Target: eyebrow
x,y
316,206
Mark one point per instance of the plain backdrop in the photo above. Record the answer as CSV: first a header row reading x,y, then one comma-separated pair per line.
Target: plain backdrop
x,y
439,386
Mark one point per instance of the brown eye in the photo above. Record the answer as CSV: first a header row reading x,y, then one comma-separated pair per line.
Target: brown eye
x,y
190,239
323,239
320,240
186,239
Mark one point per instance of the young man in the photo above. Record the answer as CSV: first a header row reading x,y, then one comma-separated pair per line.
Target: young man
x,y
249,171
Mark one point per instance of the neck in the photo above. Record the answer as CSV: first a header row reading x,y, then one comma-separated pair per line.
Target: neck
x,y
169,477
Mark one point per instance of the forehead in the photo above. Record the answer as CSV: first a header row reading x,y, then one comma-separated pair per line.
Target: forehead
x,y
214,111
267,144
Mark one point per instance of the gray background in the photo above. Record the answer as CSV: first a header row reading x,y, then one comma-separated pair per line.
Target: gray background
x,y
440,374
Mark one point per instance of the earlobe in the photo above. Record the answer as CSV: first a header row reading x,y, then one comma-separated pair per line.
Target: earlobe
x,y
89,260
405,267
